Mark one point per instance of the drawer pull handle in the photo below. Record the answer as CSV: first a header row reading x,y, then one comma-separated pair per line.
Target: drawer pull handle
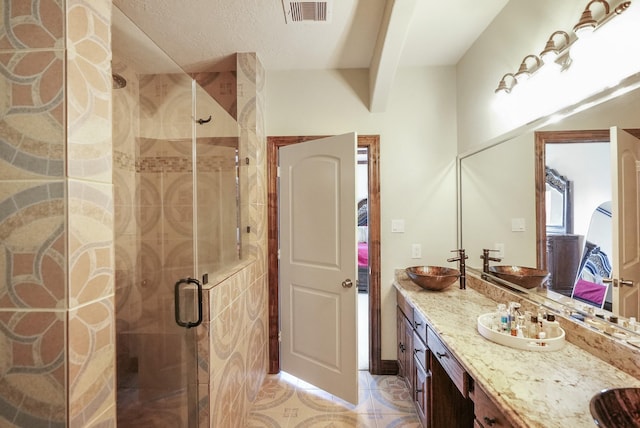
x,y
489,421
442,354
415,351
401,346
417,324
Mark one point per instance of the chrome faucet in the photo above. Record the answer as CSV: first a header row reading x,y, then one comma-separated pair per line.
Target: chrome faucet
x,y
486,259
461,258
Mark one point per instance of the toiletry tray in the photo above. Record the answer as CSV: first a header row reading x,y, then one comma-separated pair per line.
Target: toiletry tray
x,y
540,345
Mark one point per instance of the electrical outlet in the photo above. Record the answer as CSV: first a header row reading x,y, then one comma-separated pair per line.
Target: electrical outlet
x,y
499,247
416,251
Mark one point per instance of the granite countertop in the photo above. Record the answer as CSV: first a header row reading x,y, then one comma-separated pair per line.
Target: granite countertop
x,y
532,389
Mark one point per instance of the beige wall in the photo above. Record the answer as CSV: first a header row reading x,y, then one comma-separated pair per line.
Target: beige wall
x,y
417,155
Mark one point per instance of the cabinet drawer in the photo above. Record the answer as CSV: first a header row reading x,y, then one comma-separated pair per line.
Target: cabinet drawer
x,y
453,368
486,412
420,350
405,307
420,325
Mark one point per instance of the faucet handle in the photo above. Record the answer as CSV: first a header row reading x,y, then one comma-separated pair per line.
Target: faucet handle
x,y
486,251
461,252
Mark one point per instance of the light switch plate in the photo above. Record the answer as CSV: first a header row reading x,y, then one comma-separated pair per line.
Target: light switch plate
x,y
397,226
517,225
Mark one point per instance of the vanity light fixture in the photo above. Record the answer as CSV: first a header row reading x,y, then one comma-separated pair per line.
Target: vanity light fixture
x,y
588,24
527,68
552,49
506,84
556,51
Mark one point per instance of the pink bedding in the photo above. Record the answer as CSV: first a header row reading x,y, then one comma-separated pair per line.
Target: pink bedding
x,y
363,254
590,291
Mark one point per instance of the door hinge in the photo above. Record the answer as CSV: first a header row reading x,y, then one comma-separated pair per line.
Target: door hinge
x,y
278,253
278,172
280,336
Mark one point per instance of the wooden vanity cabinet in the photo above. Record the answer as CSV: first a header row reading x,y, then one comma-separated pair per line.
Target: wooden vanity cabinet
x,y
421,370
487,414
405,341
438,383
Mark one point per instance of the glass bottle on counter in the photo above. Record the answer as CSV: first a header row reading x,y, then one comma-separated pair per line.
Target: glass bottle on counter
x,y
503,315
534,327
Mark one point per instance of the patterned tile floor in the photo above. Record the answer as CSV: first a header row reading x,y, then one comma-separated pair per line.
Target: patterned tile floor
x,y
287,402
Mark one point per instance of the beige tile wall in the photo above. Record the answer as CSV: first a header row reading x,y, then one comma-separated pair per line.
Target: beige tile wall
x,y
57,359
56,214
232,343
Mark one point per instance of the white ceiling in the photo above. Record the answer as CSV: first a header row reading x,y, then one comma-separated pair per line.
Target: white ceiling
x,y
379,35
200,34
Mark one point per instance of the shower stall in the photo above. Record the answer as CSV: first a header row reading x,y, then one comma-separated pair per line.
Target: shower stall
x,y
176,202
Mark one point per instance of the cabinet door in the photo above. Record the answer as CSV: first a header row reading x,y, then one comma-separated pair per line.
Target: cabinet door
x,y
421,391
405,347
450,409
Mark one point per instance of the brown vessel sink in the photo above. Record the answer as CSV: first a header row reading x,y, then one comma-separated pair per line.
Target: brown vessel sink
x,y
523,276
433,277
616,407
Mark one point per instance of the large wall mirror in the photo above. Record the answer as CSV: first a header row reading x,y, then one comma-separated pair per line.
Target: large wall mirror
x,y
506,199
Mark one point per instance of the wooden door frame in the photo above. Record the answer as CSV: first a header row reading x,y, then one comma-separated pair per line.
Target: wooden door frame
x,y
372,143
542,138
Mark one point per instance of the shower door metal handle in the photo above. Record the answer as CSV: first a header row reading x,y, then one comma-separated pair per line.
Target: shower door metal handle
x,y
178,287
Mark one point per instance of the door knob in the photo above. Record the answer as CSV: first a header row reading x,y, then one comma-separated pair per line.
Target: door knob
x,y
626,282
347,283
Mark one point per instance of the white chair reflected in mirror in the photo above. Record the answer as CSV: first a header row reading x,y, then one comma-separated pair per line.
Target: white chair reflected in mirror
x,y
595,265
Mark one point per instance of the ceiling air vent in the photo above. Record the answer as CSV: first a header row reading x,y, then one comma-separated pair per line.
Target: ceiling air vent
x,y
307,11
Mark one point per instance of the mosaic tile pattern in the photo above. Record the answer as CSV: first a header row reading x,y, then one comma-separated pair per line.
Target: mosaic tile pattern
x,y
285,401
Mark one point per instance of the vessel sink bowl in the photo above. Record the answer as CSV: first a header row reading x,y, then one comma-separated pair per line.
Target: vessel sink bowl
x,y
616,407
433,277
523,276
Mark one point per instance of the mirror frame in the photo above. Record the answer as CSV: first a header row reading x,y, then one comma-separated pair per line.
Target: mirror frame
x,y
564,187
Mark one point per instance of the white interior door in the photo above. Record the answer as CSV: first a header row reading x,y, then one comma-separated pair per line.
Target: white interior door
x,y
625,206
318,296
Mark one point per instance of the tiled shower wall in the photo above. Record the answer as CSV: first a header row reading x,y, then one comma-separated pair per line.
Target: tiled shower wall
x,y
57,346
56,214
232,343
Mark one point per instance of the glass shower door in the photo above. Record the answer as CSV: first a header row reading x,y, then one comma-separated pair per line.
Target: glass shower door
x,y
156,299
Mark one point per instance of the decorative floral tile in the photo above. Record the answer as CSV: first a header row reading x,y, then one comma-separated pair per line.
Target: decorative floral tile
x,y
29,24
32,368
91,363
31,115
32,245
91,262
